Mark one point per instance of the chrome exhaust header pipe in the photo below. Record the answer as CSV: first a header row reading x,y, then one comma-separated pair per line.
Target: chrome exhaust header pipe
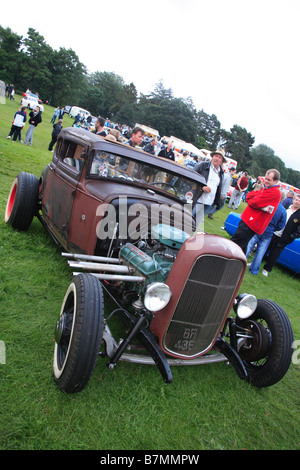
x,y
100,259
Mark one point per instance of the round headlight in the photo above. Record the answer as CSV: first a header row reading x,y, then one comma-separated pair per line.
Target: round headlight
x,y
245,305
157,296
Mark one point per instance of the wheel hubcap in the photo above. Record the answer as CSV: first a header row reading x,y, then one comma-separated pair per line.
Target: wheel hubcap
x,y
63,328
59,329
258,347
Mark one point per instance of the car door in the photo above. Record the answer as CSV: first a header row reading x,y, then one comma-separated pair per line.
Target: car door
x,y
60,189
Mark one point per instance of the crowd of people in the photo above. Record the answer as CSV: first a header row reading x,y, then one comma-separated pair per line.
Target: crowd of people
x,y
271,219
269,222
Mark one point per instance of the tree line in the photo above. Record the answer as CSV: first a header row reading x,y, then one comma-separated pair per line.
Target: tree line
x,y
61,79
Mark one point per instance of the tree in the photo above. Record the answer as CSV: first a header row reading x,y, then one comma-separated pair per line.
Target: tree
x,y
293,177
128,114
36,74
161,93
237,144
126,96
10,56
209,129
68,78
169,116
92,100
57,76
111,87
263,158
201,143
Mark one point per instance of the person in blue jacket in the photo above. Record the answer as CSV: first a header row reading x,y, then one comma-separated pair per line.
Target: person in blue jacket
x,y
288,199
281,239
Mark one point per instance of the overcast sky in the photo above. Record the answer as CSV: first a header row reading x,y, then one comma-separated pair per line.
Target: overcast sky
x,y
237,59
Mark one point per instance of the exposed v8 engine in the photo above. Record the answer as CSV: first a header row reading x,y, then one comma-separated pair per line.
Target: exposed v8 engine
x,y
154,260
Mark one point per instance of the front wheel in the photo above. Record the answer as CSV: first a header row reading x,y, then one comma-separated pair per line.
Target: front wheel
x,y
268,351
78,333
22,201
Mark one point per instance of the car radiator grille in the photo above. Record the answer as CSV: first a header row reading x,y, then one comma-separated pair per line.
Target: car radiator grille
x,y
203,304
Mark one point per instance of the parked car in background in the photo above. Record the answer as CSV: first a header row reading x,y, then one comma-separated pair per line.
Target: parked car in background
x,y
67,109
76,110
29,94
31,101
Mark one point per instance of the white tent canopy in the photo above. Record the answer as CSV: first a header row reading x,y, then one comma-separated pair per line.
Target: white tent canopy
x,y
148,130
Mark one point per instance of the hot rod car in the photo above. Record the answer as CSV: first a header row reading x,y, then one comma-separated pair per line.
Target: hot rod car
x,y
123,221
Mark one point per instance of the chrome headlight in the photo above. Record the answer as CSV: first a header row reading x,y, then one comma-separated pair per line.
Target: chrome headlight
x,y
157,296
244,305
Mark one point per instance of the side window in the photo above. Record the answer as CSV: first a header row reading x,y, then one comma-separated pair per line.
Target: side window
x,y
72,155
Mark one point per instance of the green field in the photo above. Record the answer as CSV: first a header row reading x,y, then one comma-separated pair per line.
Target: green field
x,y
130,408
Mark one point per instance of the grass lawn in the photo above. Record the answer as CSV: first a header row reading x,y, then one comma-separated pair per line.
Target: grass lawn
x,y
131,408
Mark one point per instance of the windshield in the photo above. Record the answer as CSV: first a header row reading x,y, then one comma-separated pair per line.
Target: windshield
x,y
107,165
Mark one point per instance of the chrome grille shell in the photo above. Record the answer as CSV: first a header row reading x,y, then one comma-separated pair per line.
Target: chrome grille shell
x,y
204,280
202,306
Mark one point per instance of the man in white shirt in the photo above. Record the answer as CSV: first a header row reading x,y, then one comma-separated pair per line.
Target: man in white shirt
x,y
213,175
227,178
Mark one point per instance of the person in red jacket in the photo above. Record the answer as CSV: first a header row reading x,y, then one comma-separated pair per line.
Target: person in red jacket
x,y
261,207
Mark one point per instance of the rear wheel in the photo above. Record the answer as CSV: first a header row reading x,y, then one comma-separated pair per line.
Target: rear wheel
x,y
267,355
22,202
78,333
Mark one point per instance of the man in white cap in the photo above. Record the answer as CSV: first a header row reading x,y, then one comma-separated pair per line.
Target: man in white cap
x,y
211,193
